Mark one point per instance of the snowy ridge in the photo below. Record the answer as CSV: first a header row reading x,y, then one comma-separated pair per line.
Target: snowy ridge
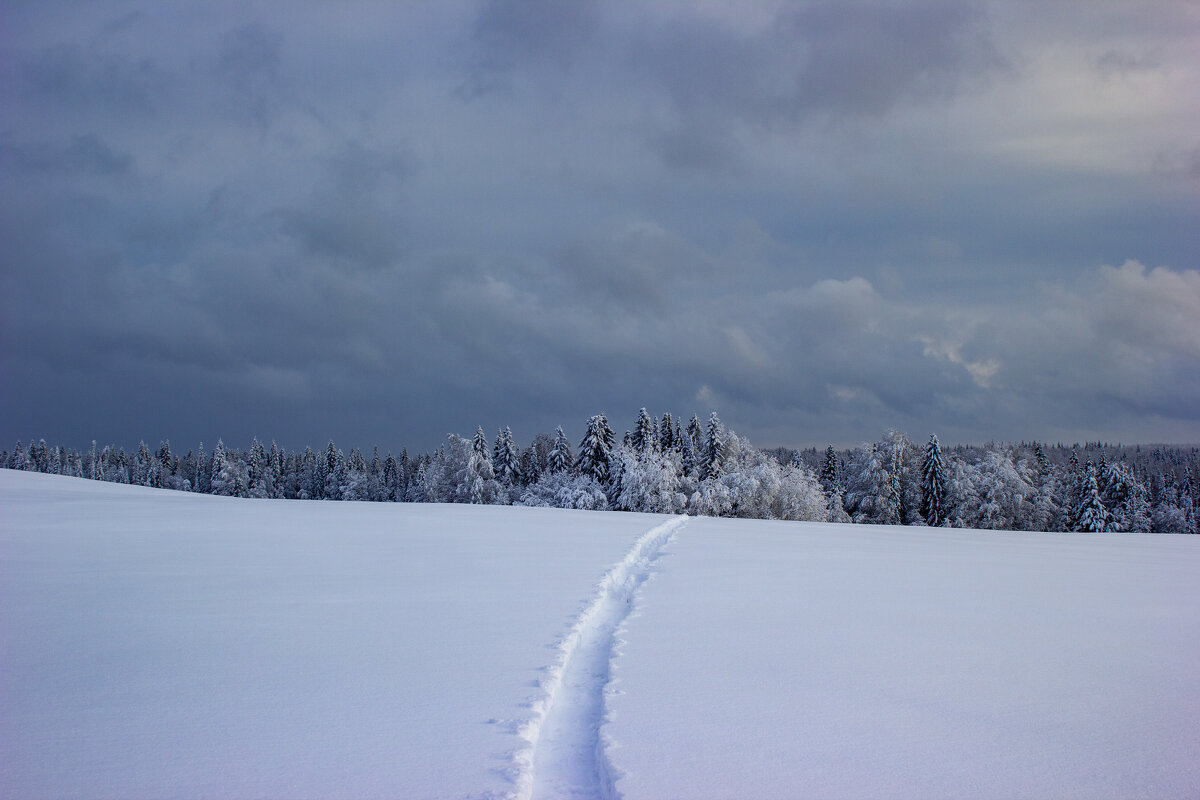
x,y
565,755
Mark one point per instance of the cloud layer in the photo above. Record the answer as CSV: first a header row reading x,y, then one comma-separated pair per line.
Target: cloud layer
x,y
387,222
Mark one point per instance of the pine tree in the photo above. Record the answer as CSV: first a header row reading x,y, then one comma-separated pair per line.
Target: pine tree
x,y
694,433
644,433
933,485
218,466
507,459
829,470
560,456
479,445
1092,517
666,434
1043,463
595,451
712,463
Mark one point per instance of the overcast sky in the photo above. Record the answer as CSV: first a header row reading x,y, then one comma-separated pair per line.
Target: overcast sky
x,y
384,222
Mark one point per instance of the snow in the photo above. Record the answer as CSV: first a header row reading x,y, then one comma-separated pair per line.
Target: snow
x,y
777,660
156,643
566,755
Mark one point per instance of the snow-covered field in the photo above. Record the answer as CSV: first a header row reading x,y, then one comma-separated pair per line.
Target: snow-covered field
x,y
159,644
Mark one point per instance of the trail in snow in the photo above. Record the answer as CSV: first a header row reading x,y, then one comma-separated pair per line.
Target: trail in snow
x,y
565,757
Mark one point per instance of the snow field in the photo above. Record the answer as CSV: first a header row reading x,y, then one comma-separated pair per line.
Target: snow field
x,y
783,660
157,643
566,755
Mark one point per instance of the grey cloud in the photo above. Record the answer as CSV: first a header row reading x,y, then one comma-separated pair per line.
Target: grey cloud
x,y
508,33
75,77
815,61
248,66
83,154
806,222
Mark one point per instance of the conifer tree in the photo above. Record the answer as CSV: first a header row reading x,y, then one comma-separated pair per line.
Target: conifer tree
x,y
694,433
644,433
712,463
666,433
507,460
829,470
1092,517
933,485
560,457
479,445
595,451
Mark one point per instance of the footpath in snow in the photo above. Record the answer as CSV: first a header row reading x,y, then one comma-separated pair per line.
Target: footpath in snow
x,y
565,757
168,644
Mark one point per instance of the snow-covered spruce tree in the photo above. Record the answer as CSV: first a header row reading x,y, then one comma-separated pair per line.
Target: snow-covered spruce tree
x,y
560,457
695,433
933,485
261,472
1093,516
334,473
688,460
829,470
870,498
713,458
595,451
218,466
481,448
1124,497
1040,459
666,433
645,435
506,459
530,468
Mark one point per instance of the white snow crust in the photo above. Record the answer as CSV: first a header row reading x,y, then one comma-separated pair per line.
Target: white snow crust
x,y
157,643
165,644
785,660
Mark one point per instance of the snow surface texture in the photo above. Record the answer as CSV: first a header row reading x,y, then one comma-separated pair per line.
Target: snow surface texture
x,y
566,757
156,643
778,660
165,644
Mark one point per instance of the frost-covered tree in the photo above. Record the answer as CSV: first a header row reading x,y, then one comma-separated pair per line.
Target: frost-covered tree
x,y
713,458
933,485
755,485
870,490
666,433
562,489
829,470
595,451
1124,498
1092,517
560,457
647,481
506,459
481,448
644,433
334,473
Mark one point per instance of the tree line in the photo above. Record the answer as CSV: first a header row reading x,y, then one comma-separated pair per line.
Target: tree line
x,y
663,465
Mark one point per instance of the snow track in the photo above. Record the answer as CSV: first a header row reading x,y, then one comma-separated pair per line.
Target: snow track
x,y
565,757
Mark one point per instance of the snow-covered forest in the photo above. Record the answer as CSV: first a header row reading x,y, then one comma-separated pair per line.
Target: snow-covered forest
x,y
701,468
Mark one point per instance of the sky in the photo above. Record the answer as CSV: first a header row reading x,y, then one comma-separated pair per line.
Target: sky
x,y
384,222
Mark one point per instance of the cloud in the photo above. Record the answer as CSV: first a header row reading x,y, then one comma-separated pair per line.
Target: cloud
x,y
510,33
384,224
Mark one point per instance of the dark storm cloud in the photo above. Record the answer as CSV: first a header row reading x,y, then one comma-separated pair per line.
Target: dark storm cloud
x,y
382,223
809,63
511,33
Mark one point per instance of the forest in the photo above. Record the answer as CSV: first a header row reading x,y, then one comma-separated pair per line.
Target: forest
x,y
661,465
